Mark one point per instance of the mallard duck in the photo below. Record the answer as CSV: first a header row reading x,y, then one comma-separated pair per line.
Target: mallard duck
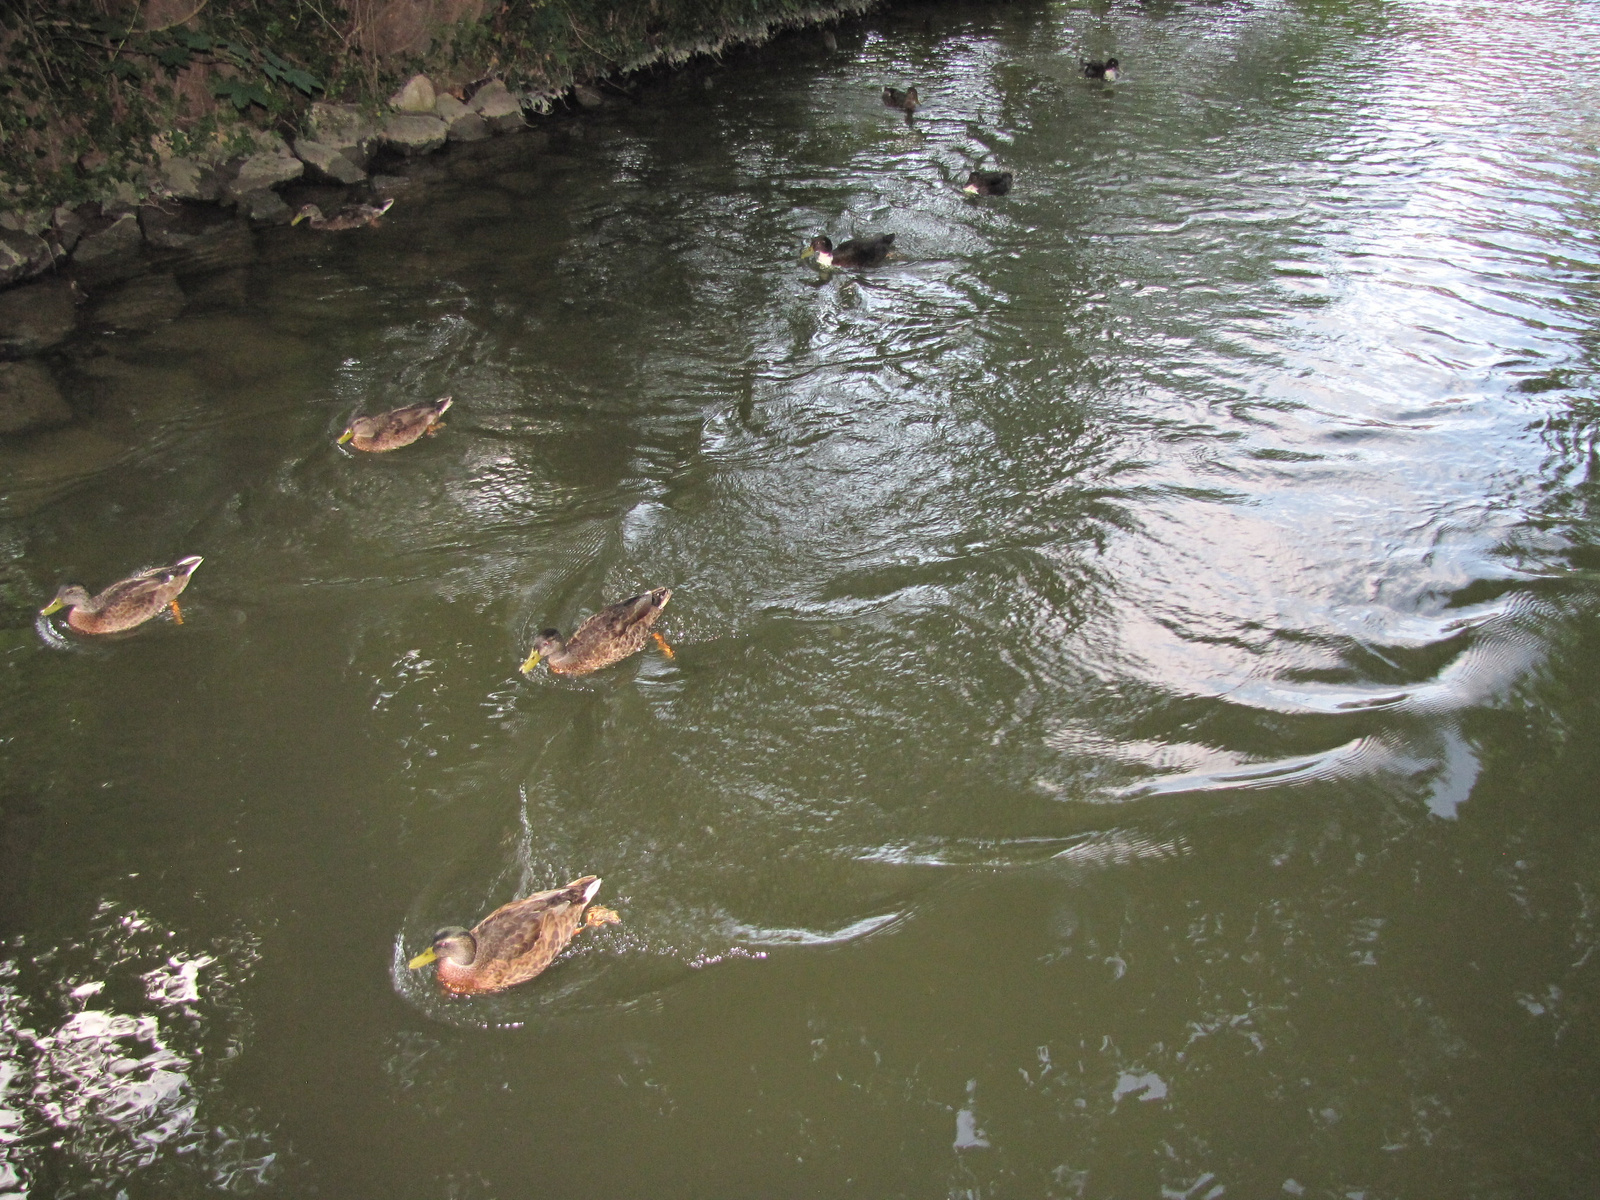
x,y
1101,70
906,101
988,183
396,428
857,252
609,636
351,216
128,602
516,941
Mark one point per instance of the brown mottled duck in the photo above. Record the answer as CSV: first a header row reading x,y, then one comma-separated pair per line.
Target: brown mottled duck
x,y
516,941
399,427
128,602
351,216
609,636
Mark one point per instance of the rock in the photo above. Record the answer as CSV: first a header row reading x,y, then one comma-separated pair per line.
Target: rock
x,y
29,398
500,110
68,227
344,127
414,133
587,97
121,236
187,179
328,163
36,316
461,123
265,207
268,167
179,226
35,222
468,127
416,95
22,255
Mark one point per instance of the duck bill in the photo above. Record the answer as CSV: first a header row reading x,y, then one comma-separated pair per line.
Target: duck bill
x,y
298,217
423,959
806,253
531,662
345,436
55,605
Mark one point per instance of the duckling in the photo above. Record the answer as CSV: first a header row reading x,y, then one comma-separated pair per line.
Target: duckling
x,y
128,602
396,428
609,636
1107,70
857,252
988,183
906,101
516,941
351,216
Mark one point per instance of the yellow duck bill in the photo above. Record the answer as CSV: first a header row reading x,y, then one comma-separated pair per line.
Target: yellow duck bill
x,y
423,959
532,661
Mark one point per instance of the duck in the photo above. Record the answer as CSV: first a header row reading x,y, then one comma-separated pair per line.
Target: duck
x,y
516,941
351,216
857,252
128,602
906,101
395,428
609,636
1107,70
988,183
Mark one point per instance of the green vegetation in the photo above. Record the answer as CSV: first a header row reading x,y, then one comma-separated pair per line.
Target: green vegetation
x,y
93,90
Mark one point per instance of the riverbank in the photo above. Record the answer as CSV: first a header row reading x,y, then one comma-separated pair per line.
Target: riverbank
x,y
116,122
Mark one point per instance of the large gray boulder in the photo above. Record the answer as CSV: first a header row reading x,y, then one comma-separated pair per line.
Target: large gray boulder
x,y
22,255
500,110
344,127
328,163
265,207
461,123
29,398
66,227
184,178
120,237
36,316
413,134
416,95
269,166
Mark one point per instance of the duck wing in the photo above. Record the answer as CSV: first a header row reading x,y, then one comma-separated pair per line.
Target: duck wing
x,y
519,940
616,631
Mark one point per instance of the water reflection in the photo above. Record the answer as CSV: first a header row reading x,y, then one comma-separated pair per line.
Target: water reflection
x,y
115,1076
1127,734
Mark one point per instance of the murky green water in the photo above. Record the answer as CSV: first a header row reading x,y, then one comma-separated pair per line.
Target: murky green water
x,y
1134,729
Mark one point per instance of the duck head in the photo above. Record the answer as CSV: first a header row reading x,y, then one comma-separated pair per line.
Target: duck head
x,y
821,249
71,595
549,641
453,944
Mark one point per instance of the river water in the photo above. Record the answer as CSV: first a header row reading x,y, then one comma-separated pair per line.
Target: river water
x,y
1134,724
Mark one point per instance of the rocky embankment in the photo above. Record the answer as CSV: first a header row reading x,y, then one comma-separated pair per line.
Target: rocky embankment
x,y
112,263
